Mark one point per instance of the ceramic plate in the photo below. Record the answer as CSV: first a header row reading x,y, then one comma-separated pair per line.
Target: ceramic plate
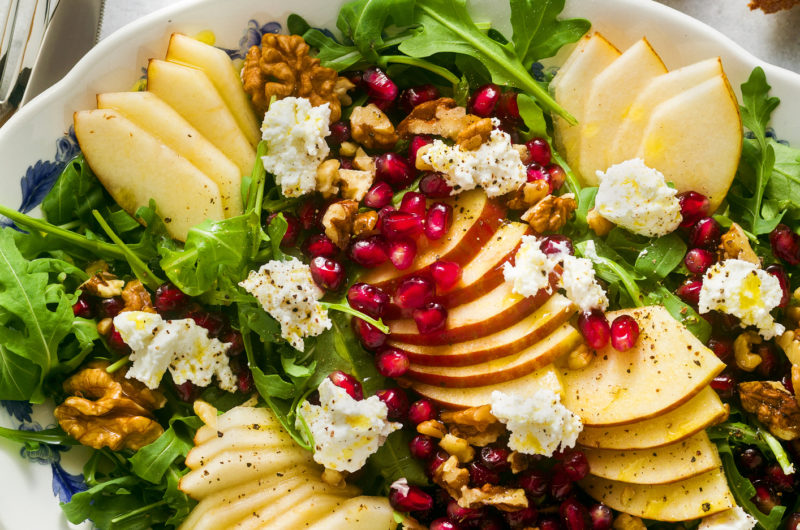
x,y
36,144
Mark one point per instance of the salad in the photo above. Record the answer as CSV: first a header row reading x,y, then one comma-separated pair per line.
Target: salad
x,y
407,276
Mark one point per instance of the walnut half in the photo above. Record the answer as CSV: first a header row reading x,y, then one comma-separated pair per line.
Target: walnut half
x,y
774,406
551,213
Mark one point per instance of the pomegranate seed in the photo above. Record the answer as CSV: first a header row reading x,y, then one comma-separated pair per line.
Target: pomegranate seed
x,y
785,244
368,299
549,523
83,307
383,104
409,498
601,517
371,337
535,482
539,151
421,447
396,400
560,484
414,202
401,224
438,220
438,458
416,143
783,279
393,169
750,460
521,518
434,186
556,244
349,383
411,97
328,273
111,307
421,410
340,133
780,480
320,245
574,515
292,228
345,163
594,328
793,523
392,362
765,499
308,215
187,392
624,333
495,458
786,381
234,338
446,274
557,176
378,85
694,206
244,380
169,298
689,291
402,252
443,523
506,108
722,348
698,260
724,385
483,100
575,465
537,172
430,317
480,475
414,292
769,360
115,341
460,515
370,251
705,233
214,323
378,195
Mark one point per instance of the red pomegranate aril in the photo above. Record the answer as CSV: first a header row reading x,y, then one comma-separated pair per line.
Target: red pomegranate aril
x,y
345,162
785,244
445,274
308,215
379,195
536,483
624,334
320,245
724,385
434,186
793,523
594,328
601,516
421,410
548,523
557,176
438,220
234,338
479,475
483,100
378,85
371,337
244,380
539,151
495,458
421,447
694,206
438,458
750,460
83,307
328,273
556,244
506,108
430,318
187,391
689,291
459,514
349,383
780,480
698,260
340,133
115,341
398,224
292,228
392,362
169,298
769,360
214,323
370,251
396,401
110,307
393,169
443,523
722,348
575,464
402,252
705,233
417,142
765,499
411,97
414,202
536,172
414,292
409,498
574,515
786,381
560,484
783,279
521,518
368,299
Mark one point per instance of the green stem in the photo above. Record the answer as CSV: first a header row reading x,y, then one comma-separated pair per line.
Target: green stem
x,y
134,513
573,182
425,65
344,308
118,364
778,451
53,436
139,267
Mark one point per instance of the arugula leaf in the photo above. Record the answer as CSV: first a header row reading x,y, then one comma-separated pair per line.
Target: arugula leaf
x,y
393,461
661,256
363,22
784,184
152,461
75,194
537,31
612,268
532,116
276,230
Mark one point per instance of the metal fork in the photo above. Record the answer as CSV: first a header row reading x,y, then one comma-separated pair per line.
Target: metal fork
x,y
22,28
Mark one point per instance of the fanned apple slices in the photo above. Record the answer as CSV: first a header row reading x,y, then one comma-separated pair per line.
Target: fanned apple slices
x,y
247,473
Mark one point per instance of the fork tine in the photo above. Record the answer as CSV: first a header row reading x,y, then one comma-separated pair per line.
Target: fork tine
x,y
23,38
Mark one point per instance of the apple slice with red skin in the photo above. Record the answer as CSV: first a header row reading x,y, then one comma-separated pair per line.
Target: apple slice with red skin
x,y
560,342
509,341
475,219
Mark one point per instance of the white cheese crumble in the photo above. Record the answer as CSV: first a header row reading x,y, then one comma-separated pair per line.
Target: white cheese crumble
x,y
636,197
181,346
539,425
579,282
286,290
346,431
733,519
741,289
295,134
495,166
531,269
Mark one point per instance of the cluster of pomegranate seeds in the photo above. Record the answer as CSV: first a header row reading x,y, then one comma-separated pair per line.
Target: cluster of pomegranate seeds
x,y
396,401
624,332
392,362
83,307
347,382
595,329
414,292
785,244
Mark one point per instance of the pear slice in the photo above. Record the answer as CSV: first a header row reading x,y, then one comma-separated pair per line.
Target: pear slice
x,y
692,498
700,412
593,54
695,139
667,367
360,513
661,465
216,64
239,438
305,512
190,92
147,111
659,90
611,94
294,499
135,167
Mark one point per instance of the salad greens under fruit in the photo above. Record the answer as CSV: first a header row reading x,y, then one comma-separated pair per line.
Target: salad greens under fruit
x,y
50,323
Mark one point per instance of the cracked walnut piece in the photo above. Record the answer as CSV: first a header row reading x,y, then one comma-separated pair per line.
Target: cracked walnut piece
x,y
529,194
477,425
107,410
504,499
473,135
774,406
551,213
282,67
451,477
137,298
103,284
338,222
370,127
735,245
440,117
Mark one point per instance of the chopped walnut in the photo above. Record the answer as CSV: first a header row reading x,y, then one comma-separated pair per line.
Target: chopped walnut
x,y
598,224
789,342
432,428
365,223
457,447
363,161
372,128
104,326
524,153
773,405
735,245
137,298
103,284
338,222
529,194
519,462
577,359
341,89
355,183
348,149
107,410
440,117
282,67
473,135
743,351
328,178
795,376
772,6
502,498
625,521
451,477
551,213
477,425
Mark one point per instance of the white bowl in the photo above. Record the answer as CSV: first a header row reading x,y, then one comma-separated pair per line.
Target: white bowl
x,y
34,145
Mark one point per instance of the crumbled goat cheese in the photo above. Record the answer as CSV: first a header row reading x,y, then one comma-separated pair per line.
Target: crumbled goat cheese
x,y
345,431
495,166
181,346
539,425
637,197
286,290
295,134
531,269
733,519
579,283
741,289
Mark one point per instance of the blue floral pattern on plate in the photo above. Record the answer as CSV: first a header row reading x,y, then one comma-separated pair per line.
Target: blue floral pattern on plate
x,y
252,37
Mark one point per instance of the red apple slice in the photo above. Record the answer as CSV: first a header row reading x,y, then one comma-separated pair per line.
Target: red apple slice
x,y
561,341
509,341
525,386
